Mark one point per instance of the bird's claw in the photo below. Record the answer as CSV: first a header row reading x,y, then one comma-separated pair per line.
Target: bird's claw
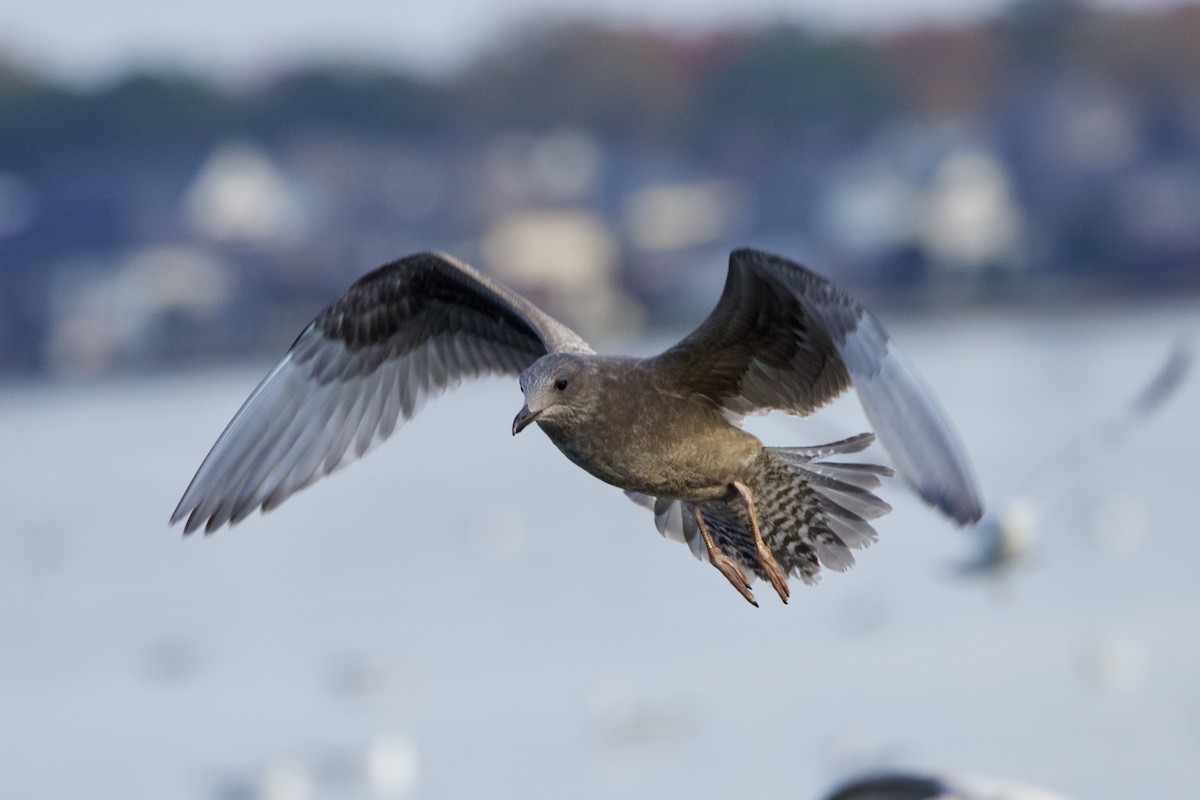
x,y
733,573
774,574
766,559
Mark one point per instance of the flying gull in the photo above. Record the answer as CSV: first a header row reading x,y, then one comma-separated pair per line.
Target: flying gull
x,y
1005,535
664,428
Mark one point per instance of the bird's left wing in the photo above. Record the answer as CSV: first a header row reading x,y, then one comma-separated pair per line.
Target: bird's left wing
x,y
402,334
783,337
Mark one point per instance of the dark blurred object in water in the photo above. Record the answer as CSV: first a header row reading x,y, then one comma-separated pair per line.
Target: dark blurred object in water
x,y
923,786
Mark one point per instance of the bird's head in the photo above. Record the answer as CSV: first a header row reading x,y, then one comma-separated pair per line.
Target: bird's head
x,y
557,389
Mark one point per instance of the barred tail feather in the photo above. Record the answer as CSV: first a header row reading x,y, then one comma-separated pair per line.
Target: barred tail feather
x,y
836,499
811,512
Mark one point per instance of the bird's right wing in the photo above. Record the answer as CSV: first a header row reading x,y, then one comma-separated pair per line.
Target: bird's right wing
x,y
402,334
783,337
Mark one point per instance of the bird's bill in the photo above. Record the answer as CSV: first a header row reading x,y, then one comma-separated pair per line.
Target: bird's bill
x,y
523,418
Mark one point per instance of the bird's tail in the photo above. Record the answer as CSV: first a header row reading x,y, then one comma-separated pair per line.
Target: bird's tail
x,y
811,512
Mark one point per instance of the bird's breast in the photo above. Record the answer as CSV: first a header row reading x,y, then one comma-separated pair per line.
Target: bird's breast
x,y
675,450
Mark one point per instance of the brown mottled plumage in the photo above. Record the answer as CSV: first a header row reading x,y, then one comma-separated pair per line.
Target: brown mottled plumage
x,y
662,428
812,512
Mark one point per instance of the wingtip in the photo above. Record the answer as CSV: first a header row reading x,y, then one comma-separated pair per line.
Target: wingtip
x,y
964,510
177,515
969,518
191,519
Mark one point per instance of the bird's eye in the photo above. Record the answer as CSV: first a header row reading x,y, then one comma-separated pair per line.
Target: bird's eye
x,y
560,384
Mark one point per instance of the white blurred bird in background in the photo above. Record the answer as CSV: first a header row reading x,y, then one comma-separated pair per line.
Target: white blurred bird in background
x,y
1005,535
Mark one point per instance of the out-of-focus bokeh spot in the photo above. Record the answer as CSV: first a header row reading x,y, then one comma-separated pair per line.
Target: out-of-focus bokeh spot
x,y
239,195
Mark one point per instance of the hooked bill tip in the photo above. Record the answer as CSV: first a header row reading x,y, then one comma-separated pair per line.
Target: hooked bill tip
x,y
523,418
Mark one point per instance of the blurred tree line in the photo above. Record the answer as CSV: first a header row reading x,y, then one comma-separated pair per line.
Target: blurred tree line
x,y
627,87
708,96
1062,140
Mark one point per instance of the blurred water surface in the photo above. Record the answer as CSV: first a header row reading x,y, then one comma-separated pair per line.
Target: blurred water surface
x,y
465,614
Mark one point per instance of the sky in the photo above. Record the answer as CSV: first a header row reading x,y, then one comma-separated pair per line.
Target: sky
x,y
86,42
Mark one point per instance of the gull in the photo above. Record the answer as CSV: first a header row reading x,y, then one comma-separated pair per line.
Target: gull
x,y
664,428
1005,535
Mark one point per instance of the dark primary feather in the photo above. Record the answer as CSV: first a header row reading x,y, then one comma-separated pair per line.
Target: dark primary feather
x,y
782,337
401,334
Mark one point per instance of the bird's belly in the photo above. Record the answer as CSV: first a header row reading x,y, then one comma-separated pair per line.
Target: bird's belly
x,y
692,468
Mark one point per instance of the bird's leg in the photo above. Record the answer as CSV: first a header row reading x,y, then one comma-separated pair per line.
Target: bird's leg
x,y
731,571
766,558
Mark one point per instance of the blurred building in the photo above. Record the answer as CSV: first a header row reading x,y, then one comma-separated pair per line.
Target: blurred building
x,y
608,172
